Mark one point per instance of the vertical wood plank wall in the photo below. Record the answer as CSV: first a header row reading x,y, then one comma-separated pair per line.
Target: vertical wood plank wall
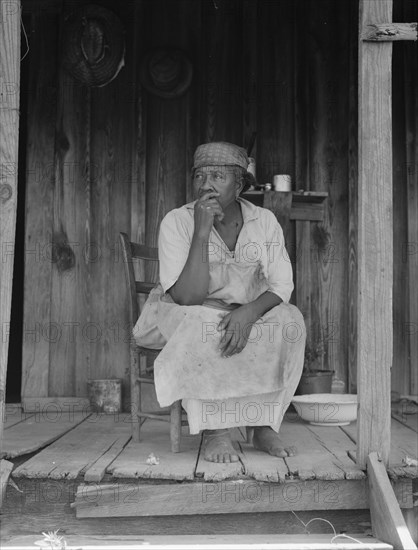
x,y
405,203
117,158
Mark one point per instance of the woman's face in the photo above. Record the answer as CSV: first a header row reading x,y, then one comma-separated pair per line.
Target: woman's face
x,y
221,179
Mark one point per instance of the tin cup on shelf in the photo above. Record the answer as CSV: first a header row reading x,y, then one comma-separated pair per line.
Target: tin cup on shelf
x,y
282,182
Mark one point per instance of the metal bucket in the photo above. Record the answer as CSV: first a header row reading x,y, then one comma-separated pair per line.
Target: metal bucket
x,y
105,395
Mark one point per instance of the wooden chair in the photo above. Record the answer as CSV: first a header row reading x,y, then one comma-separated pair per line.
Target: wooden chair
x,y
139,372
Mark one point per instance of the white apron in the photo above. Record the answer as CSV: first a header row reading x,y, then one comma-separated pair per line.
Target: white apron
x,y
252,388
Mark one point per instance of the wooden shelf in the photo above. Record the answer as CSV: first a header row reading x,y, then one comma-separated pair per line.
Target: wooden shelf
x,y
305,205
297,196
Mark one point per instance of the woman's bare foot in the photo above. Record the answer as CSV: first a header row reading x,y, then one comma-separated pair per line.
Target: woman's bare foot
x,y
267,440
218,447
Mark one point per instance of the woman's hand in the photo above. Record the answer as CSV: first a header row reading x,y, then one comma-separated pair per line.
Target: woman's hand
x,y
205,210
236,328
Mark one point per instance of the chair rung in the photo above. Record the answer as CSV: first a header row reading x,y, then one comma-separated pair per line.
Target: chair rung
x,y
143,287
162,412
147,351
154,416
145,380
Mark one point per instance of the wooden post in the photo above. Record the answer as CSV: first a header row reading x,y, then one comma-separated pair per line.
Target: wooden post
x,y
9,134
375,256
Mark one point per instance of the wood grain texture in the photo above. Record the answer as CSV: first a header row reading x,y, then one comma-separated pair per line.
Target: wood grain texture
x,y
166,130
389,32
64,404
14,415
69,283
220,498
281,206
98,469
401,304
41,506
42,114
328,172
352,198
38,431
9,134
313,460
410,80
262,466
387,521
403,445
155,439
66,458
375,249
113,131
303,276
338,444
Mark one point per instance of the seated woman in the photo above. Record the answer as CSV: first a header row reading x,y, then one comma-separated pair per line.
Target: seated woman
x,y
234,346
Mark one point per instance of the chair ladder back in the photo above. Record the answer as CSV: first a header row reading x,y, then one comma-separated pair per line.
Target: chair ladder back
x,y
130,278
131,251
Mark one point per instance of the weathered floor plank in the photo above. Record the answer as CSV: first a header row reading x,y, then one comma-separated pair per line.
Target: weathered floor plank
x,y
155,439
76,451
212,471
14,414
312,460
37,431
97,470
101,449
262,466
338,444
410,420
403,446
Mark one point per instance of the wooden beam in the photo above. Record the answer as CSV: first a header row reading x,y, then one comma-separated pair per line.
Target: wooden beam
x,y
387,520
375,247
9,138
305,206
389,32
133,498
209,541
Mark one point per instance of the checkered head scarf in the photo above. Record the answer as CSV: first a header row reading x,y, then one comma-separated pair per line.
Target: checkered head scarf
x,y
220,153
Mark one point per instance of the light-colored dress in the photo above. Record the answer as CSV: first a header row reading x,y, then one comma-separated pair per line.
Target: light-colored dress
x,y
254,387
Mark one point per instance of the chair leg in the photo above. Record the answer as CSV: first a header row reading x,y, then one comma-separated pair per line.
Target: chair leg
x,y
135,397
175,426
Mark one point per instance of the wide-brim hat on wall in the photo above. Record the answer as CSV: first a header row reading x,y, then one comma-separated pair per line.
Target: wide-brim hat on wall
x,y
93,45
166,72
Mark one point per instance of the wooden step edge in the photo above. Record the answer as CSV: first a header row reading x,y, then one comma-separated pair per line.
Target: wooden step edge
x,y
207,542
387,519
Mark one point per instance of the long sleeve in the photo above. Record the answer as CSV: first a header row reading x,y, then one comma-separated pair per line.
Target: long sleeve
x,y
279,270
174,241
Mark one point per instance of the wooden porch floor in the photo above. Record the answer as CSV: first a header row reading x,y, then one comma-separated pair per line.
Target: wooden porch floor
x,y
96,448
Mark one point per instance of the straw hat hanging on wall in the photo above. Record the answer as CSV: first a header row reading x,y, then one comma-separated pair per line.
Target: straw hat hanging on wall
x,y
166,72
93,45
